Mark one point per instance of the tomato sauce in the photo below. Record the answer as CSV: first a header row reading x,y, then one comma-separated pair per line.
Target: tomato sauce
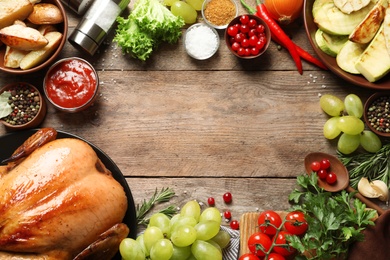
x,y
71,83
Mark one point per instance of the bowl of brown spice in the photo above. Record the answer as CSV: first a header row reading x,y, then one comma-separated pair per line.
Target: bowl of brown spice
x,y
219,13
22,106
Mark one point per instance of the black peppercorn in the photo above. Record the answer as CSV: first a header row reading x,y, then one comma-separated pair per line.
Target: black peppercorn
x,y
378,114
25,103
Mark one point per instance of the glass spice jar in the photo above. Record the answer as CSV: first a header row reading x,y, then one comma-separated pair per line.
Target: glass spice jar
x,y
96,23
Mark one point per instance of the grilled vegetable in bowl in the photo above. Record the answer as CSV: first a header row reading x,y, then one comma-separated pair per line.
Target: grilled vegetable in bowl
x,y
316,18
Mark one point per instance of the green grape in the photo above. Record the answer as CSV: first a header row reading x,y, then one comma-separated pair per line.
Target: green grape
x,y
331,105
348,143
207,229
370,141
211,214
169,2
151,236
180,8
174,219
140,240
161,221
191,257
222,238
184,220
205,251
191,209
331,131
161,250
183,236
215,244
196,4
130,249
353,105
180,253
350,125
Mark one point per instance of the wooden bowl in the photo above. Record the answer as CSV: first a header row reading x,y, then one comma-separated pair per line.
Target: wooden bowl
x,y
259,21
39,116
366,115
62,28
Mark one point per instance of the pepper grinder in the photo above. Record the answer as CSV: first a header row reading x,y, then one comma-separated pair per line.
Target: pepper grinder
x,y
78,6
96,23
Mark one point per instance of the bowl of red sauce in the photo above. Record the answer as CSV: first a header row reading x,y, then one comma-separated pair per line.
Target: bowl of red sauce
x,y
71,84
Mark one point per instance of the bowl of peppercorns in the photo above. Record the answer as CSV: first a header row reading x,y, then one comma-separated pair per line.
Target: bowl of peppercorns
x,y
377,113
21,106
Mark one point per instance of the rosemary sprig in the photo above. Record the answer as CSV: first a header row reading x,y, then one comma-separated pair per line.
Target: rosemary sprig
x,y
374,166
158,197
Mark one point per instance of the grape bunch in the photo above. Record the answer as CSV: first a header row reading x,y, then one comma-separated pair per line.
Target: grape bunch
x,y
345,122
191,234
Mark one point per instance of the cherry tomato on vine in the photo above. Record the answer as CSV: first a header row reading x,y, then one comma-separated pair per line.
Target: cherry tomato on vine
x,y
296,223
331,178
281,245
259,243
269,221
275,256
249,256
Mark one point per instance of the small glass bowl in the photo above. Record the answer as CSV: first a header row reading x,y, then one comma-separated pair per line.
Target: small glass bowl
x,y
59,88
39,116
201,41
367,118
219,10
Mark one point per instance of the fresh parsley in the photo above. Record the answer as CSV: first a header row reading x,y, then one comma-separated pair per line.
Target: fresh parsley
x,y
336,220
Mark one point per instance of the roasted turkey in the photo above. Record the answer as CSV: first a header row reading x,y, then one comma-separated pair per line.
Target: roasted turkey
x,y
58,201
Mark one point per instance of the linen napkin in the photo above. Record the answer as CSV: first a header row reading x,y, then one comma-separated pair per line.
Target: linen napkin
x,y
230,252
376,244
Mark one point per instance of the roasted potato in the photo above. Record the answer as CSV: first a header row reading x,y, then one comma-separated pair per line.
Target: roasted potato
x,y
22,38
11,11
12,57
45,13
35,58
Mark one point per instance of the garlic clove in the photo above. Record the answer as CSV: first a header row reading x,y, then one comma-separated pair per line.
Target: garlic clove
x,y
382,189
375,189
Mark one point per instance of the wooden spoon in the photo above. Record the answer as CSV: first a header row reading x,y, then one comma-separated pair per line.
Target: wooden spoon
x,y
342,178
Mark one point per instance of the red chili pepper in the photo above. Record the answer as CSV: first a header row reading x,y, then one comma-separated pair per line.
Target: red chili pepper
x,y
278,33
304,55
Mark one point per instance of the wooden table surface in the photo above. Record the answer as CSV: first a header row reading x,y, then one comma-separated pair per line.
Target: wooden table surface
x,y
204,128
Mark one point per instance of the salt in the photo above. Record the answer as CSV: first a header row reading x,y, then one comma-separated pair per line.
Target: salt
x,y
201,41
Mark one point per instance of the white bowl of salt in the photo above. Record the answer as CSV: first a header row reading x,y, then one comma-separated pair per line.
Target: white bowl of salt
x,y
201,41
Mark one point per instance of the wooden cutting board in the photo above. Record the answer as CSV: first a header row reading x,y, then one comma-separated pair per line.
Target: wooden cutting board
x,y
248,226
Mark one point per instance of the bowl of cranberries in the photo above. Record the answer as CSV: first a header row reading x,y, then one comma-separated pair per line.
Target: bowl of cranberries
x,y
247,36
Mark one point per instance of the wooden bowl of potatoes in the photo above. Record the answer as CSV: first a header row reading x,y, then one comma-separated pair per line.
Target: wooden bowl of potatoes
x,y
32,34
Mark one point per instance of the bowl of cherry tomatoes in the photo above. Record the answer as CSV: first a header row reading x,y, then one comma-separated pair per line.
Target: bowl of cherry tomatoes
x,y
247,36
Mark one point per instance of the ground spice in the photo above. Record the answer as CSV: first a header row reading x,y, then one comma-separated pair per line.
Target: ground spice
x,y
220,12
